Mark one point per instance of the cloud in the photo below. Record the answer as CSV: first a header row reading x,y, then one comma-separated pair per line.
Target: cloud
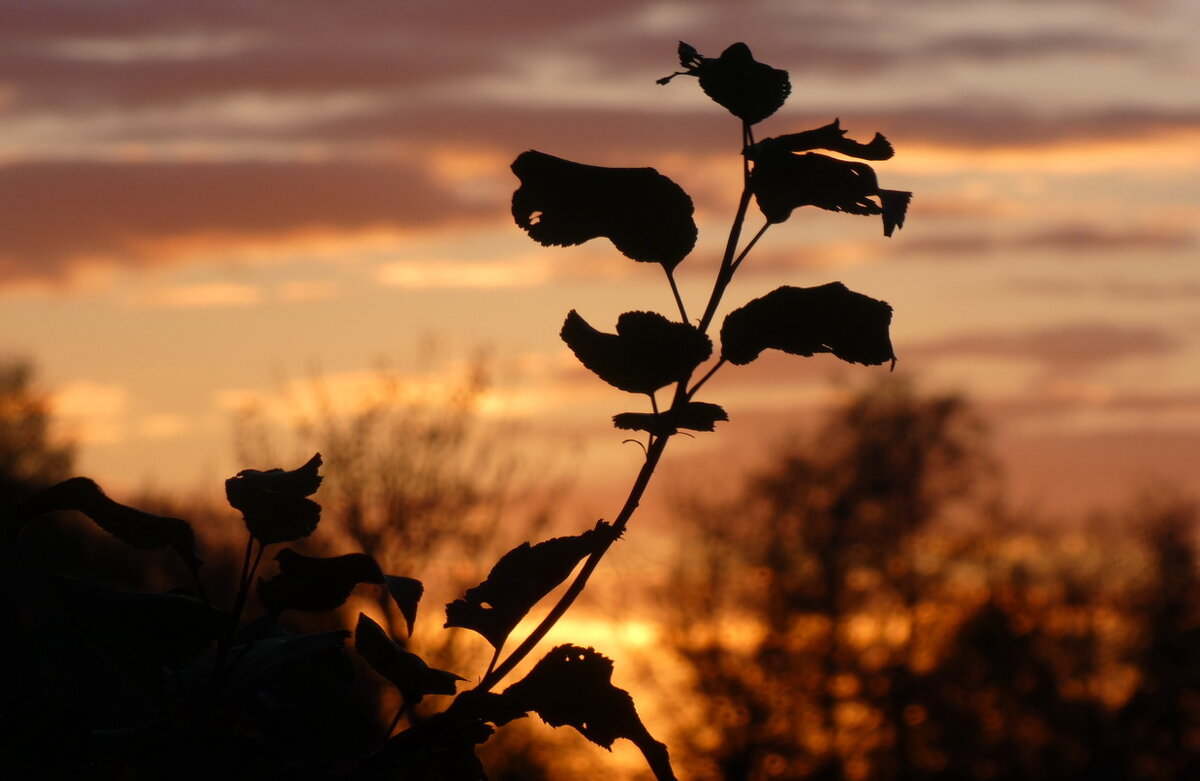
x,y
216,294
1073,347
1122,289
1071,239
137,126
438,273
73,210
92,412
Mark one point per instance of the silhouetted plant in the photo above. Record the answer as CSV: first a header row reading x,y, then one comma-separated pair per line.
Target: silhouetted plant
x,y
217,690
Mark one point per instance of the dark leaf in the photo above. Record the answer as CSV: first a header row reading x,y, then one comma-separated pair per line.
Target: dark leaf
x,y
407,671
406,592
783,181
646,215
264,657
314,584
138,629
441,748
647,352
522,577
573,686
830,137
750,90
131,526
694,416
806,320
274,503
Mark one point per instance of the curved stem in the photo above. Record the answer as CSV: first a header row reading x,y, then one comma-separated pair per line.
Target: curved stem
x,y
675,291
725,272
653,454
729,263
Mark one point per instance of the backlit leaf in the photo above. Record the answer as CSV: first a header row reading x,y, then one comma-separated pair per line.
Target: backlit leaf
x,y
750,90
407,671
573,686
832,138
562,203
806,320
274,504
518,581
694,416
647,352
141,530
783,181
406,593
315,584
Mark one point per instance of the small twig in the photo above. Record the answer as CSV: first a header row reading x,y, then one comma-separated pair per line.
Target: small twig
x,y
742,255
399,715
725,272
708,375
239,603
675,291
195,570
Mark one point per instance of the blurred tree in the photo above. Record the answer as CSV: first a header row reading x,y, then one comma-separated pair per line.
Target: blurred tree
x,y
801,594
1160,724
31,456
837,627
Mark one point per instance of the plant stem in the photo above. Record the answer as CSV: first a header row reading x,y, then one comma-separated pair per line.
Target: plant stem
x,y
653,454
399,715
656,446
239,602
746,251
675,291
708,375
725,272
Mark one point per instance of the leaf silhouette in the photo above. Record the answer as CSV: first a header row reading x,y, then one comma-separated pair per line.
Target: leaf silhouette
x,y
138,628
647,352
783,181
406,593
263,658
830,137
750,90
518,581
315,584
806,320
573,686
274,503
407,671
136,528
694,416
562,203
440,747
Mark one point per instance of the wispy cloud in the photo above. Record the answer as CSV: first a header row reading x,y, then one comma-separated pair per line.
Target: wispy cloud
x,y
1069,348
215,294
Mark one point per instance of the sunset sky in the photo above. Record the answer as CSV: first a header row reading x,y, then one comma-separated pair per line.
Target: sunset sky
x,y
202,203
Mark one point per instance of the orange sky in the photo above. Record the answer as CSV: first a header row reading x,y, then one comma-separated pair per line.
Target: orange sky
x,y
203,202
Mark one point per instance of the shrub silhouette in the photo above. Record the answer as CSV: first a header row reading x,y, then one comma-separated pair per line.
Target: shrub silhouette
x,y
210,694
